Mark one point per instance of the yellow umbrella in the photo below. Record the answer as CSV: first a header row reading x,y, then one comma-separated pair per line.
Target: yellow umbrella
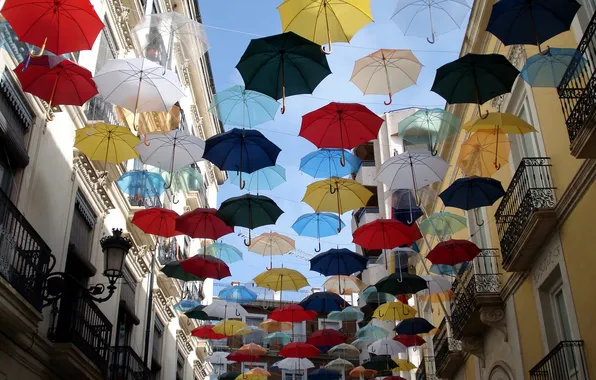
x,y
394,311
254,349
325,21
270,244
437,297
270,326
258,371
336,195
280,279
251,376
403,365
483,153
229,327
347,284
107,142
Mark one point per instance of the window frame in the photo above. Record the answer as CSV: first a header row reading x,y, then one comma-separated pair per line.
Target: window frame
x,y
249,315
322,323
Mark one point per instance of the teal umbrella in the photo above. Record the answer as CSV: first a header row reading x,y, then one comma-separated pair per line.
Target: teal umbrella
x,y
185,180
371,295
198,313
372,333
548,70
267,178
222,251
173,269
429,127
277,339
242,107
348,314
283,65
442,224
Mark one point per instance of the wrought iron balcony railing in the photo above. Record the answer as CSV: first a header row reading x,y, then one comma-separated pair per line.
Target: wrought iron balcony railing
x,y
426,369
448,351
566,361
125,364
531,189
24,256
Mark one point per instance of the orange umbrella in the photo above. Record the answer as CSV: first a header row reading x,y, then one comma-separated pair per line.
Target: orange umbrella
x,y
481,150
362,372
258,371
253,349
269,326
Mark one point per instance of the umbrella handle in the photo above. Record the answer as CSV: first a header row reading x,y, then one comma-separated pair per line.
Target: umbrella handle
x,y
342,160
50,115
249,240
497,165
476,217
145,140
169,184
43,48
390,100
433,40
174,200
544,53
237,313
328,31
318,249
242,182
480,112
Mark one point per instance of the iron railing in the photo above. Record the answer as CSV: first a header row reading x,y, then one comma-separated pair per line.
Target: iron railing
x,y
426,369
566,361
577,90
24,256
444,344
125,364
531,189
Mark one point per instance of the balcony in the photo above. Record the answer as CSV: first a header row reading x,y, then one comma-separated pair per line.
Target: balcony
x,y
526,216
566,361
426,369
577,93
478,303
127,365
24,263
449,356
366,215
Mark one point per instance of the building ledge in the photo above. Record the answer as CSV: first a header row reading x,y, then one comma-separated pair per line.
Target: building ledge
x,y
16,313
73,364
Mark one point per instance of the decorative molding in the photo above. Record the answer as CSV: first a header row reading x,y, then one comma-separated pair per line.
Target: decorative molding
x,y
93,181
163,304
475,346
494,316
198,120
121,14
183,342
517,55
549,258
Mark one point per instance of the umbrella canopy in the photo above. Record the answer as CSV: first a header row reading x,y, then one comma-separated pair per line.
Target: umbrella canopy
x,y
373,296
283,65
404,365
299,350
270,244
326,338
414,326
243,357
223,310
231,375
156,221
404,207
472,192
453,252
206,332
217,357
360,371
142,184
267,178
439,289
238,294
277,339
258,371
324,374
409,340
344,285
317,224
229,327
270,326
380,363
448,270
171,151
443,224
202,223
385,234
386,71
185,305
185,180
372,333
344,350
324,302
173,269
295,364
340,365
325,163
198,312
223,251
279,279
409,284
548,70
206,267
253,349
348,314
394,311
483,152
292,313
429,127
107,142
387,347
338,262
239,106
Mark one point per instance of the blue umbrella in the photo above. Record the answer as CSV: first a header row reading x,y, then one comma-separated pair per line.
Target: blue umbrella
x,y
324,374
241,150
223,251
142,184
238,294
348,314
338,262
523,22
267,178
448,270
277,338
324,302
246,108
186,305
413,326
325,163
404,207
548,70
317,224
471,193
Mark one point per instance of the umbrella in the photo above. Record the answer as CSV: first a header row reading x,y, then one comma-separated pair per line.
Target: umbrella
x,y
362,372
350,313
206,267
292,313
185,305
520,22
409,340
344,285
483,152
439,289
283,64
548,70
258,371
242,357
414,326
247,376
253,349
173,269
231,375
452,252
401,283
217,357
448,270
401,255
404,206
185,180
223,251
403,365
429,127
280,279
443,224
299,350
386,71
338,262
324,302
142,184
344,350
250,211
340,365
56,80
198,312
387,347
373,296
325,163
206,332
267,178
229,327
277,339
270,326
429,17
363,343
394,311
295,364
58,26
202,223
380,363
223,310
336,195
241,150
326,338
472,192
475,78
317,224
242,107
385,234
107,143
324,374
237,293
340,125
156,221
272,243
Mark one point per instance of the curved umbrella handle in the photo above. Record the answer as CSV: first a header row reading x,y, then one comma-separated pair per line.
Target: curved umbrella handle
x,y
242,182
433,40
249,240
145,140
480,112
544,53
236,312
43,48
390,100
332,190
175,200
497,165
476,216
342,160
50,115
318,249
169,184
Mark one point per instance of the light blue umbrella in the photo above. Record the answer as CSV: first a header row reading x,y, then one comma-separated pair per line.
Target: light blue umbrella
x,y
448,270
223,251
443,224
428,127
267,178
245,108
277,339
325,163
238,294
318,225
372,332
348,314
186,305
142,184
548,70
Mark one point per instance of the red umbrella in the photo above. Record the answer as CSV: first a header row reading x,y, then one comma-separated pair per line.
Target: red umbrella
x,y
340,125
60,26
206,332
394,378
157,221
206,267
242,357
453,252
202,223
409,340
292,313
299,350
326,338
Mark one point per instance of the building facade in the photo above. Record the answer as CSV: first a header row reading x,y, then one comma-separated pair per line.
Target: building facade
x,y
56,205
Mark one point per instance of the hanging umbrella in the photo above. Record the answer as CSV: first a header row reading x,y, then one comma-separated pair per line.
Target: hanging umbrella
x,y
283,65
439,289
242,107
253,349
243,357
324,302
429,18
404,206
280,279
452,252
206,267
404,365
250,211
348,314
338,262
157,221
267,178
326,338
371,295
362,372
472,193
386,71
324,374
173,269
107,143
344,350
198,313
340,365
292,313
271,326
387,347
443,224
299,350
238,294
295,364
519,22
223,310
231,375
277,339
223,251
483,152
185,305
372,333
401,283
202,223
58,26
270,244
401,257
217,357
448,270
336,195
380,363
475,78
325,163
253,376
548,70
363,343
429,127
340,125
344,285
206,332
56,80
394,311
230,327
385,234
258,371
409,340
141,184
184,180
318,224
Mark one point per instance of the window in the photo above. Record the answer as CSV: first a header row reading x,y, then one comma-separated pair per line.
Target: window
x,y
83,222
254,321
248,366
526,145
180,366
373,202
156,356
299,331
293,375
329,324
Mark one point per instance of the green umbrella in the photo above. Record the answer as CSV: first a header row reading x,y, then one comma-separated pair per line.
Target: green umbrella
x,y
429,127
348,314
283,65
174,270
277,338
372,333
372,295
401,283
380,363
185,180
442,224
250,211
198,313
475,78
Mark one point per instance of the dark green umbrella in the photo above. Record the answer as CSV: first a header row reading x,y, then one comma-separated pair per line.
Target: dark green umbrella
x,y
174,270
401,283
250,211
283,65
475,78
229,375
380,363
198,313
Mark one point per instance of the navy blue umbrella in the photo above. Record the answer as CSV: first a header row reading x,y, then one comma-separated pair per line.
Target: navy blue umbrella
x,y
324,302
530,22
472,192
414,326
241,150
338,262
324,374
404,207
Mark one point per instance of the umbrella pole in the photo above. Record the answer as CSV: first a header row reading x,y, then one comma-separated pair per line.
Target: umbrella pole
x,y
171,166
478,99
134,117
387,77
338,209
283,85
328,31
50,114
242,183
542,53
497,164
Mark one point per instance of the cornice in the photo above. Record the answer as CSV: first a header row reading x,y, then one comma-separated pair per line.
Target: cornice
x,y
163,305
89,177
184,342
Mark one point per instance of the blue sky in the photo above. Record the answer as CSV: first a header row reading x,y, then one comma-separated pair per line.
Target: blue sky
x,y
230,25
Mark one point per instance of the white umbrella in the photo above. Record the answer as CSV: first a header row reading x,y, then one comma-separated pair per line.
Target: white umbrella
x,y
436,285
340,365
344,350
294,364
224,310
362,343
386,347
218,358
